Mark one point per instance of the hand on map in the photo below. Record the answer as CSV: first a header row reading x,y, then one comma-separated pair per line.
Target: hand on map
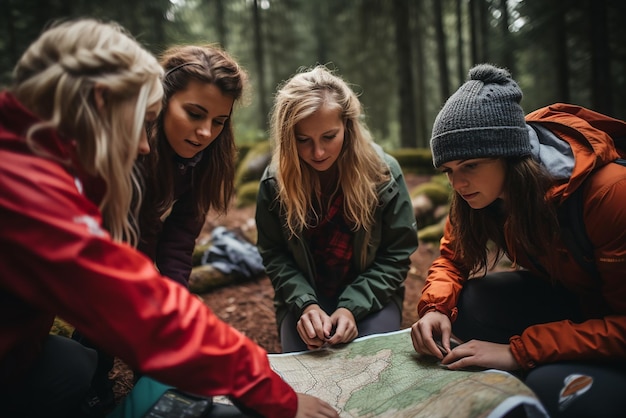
x,y
316,328
463,356
312,407
344,326
423,331
483,354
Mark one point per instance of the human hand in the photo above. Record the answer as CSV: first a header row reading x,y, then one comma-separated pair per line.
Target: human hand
x,y
312,407
314,327
484,354
344,325
423,331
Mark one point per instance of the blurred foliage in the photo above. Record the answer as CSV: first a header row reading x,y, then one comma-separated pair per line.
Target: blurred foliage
x,y
403,57
414,160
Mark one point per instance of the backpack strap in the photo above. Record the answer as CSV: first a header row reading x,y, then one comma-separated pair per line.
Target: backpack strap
x,y
573,231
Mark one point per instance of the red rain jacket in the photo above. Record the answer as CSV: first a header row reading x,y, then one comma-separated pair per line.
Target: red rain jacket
x,y
57,260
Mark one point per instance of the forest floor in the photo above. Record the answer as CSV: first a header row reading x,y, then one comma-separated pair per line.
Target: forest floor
x,y
248,306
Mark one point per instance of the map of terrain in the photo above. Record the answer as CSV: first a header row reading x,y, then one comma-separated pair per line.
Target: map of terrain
x,y
382,376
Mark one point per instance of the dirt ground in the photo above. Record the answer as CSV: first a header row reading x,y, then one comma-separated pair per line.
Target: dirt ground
x,y
248,306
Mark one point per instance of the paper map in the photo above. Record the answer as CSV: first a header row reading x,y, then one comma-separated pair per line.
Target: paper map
x,y
382,376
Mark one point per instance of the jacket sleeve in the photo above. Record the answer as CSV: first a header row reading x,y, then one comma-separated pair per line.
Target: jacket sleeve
x,y
373,288
603,299
177,240
290,284
59,259
444,281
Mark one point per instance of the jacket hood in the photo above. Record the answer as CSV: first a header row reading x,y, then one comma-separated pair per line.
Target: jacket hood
x,y
571,142
15,120
551,151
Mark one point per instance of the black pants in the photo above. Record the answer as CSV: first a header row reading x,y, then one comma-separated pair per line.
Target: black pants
x,y
501,305
56,385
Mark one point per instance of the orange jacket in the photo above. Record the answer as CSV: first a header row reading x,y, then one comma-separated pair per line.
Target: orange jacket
x,y
603,334
57,260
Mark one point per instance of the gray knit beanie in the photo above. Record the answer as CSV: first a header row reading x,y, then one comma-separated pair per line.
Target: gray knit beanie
x,y
483,118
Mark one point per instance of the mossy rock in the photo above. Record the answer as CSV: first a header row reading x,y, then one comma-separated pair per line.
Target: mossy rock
x,y
198,253
431,233
438,193
253,164
247,193
62,328
414,160
205,278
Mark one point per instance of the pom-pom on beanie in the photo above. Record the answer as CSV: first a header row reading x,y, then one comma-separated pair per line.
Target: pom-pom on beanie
x,y
482,119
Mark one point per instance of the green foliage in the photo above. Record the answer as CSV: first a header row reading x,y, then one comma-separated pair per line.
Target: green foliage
x,y
359,39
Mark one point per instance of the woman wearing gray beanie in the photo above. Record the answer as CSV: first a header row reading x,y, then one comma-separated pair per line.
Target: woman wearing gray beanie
x,y
560,327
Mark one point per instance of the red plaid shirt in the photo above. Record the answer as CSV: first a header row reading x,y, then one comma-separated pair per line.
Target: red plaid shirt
x,y
331,246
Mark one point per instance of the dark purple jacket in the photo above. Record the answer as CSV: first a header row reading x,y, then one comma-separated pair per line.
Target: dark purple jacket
x,y
169,239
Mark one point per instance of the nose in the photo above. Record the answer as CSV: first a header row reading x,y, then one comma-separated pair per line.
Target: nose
x,y
457,180
318,150
204,130
144,146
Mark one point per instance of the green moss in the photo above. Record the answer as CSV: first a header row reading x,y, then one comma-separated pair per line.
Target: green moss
x,y
247,193
251,167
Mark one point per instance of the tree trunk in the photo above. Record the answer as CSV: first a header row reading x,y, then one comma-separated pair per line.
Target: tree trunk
x,y
259,60
601,65
408,129
440,37
460,64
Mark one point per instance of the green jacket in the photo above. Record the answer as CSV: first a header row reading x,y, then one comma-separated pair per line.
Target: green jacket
x,y
289,264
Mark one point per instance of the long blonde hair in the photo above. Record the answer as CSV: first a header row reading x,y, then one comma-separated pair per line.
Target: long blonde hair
x,y
56,78
360,169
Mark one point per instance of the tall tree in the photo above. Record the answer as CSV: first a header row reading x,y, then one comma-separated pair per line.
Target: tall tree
x,y
561,57
460,62
260,62
220,23
442,54
408,130
506,39
474,33
600,53
420,91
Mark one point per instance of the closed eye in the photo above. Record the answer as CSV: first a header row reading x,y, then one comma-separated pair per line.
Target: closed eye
x,y
194,115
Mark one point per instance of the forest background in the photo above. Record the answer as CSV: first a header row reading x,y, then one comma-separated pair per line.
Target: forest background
x,y
404,57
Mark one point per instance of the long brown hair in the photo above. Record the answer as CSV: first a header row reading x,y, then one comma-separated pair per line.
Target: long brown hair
x,y
524,217
213,176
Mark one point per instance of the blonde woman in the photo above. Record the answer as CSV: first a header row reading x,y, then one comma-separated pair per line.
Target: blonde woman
x,y
335,222
70,129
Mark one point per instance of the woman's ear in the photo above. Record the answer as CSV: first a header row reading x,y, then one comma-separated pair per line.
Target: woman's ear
x,y
100,96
